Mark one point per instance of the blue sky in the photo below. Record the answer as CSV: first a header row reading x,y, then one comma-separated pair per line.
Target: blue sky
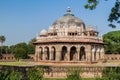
x,y
21,20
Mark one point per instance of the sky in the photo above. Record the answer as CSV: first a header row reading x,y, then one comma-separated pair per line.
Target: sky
x,y
22,20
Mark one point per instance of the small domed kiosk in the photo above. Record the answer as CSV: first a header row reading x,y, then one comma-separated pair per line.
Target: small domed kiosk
x,y
43,33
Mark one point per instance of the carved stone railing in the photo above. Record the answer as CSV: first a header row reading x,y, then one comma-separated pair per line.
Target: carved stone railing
x,y
70,39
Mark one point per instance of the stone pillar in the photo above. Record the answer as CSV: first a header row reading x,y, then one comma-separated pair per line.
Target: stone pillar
x,y
35,53
68,53
43,56
93,51
50,54
78,56
97,54
88,53
38,52
58,53
102,53
88,33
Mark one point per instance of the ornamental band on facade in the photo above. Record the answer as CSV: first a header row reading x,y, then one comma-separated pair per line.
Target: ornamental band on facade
x,y
69,41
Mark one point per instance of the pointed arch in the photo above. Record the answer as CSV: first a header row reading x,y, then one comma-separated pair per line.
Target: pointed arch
x,y
53,53
63,52
82,54
46,53
73,51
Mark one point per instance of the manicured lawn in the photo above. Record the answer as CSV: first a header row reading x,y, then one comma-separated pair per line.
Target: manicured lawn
x,y
14,63
65,79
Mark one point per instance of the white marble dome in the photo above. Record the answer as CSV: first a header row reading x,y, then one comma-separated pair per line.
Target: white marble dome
x,y
68,20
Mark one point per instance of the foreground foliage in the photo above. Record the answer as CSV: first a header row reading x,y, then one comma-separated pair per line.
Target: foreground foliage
x,y
111,73
14,75
114,16
73,74
35,73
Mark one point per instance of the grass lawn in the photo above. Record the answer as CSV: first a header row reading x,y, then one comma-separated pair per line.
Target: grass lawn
x,y
65,79
14,63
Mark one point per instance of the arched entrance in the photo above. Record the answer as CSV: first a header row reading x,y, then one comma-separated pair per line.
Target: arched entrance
x,y
72,53
82,54
63,52
53,53
46,53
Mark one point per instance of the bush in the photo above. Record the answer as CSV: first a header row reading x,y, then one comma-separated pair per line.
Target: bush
x,y
73,74
35,73
112,73
14,75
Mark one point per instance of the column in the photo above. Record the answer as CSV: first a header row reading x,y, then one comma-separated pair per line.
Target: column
x,y
43,56
78,53
50,53
92,52
97,54
88,53
58,53
68,53
36,53
102,53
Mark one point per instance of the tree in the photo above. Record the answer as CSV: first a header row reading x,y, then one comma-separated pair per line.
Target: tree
x,y
2,40
20,50
20,53
31,47
112,42
5,50
35,73
114,16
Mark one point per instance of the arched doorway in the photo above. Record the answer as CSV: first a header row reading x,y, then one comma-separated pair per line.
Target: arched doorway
x,y
82,54
41,53
63,52
72,53
53,53
46,53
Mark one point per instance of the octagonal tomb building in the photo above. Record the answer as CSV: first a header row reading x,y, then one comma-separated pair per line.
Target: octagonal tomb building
x,y
69,40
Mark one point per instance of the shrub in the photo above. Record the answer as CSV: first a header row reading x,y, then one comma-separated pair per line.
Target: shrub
x,y
73,74
35,73
14,75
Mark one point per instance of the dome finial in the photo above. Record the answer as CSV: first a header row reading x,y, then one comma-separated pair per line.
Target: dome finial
x,y
68,10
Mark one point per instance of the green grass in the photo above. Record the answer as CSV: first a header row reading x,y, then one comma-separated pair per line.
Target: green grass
x,y
14,63
65,79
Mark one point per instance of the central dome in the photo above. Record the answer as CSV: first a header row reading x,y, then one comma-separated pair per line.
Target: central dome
x,y
68,20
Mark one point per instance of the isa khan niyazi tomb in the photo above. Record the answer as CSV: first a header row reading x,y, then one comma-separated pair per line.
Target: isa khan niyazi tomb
x,y
68,42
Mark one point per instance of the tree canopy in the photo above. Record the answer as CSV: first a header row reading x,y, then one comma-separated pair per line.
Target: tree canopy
x,y
112,42
20,50
114,16
2,40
